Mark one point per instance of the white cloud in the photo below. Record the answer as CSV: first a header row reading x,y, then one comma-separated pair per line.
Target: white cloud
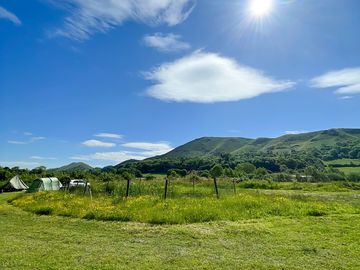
x,y
109,135
28,134
293,132
17,142
116,157
347,81
96,143
34,139
5,14
42,158
21,164
165,43
88,17
207,78
29,141
151,149
346,97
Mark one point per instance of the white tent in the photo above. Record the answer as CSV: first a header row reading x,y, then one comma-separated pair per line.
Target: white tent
x,y
15,184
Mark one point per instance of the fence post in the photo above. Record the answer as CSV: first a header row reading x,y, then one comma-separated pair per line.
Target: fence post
x,y
127,188
216,188
234,185
166,187
85,187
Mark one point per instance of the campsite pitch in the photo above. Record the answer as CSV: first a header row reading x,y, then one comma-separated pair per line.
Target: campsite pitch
x,y
29,241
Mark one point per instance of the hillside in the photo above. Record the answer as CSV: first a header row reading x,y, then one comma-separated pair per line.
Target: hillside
x,y
75,166
293,152
319,140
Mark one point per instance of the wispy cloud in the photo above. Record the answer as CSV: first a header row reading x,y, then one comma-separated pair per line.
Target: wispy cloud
x,y
109,135
21,164
116,157
165,43
151,149
346,97
88,17
28,134
347,81
7,15
293,132
17,142
42,158
142,151
207,78
96,143
28,141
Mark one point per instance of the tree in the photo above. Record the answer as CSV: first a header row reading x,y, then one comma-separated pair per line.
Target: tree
x,y
246,167
216,172
260,173
228,172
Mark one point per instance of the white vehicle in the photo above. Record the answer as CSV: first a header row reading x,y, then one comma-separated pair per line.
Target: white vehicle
x,y
78,183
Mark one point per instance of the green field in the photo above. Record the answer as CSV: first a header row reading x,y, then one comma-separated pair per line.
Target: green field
x,y
254,229
343,161
350,165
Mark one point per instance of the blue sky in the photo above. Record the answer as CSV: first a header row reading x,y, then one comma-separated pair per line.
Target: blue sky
x,y
105,81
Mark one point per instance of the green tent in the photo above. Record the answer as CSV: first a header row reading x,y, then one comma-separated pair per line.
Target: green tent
x,y
15,184
41,184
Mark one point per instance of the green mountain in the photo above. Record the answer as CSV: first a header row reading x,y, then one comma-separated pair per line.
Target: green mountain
x,y
75,166
293,152
319,140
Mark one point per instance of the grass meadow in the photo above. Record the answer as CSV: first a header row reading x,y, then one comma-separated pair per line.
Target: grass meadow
x,y
264,225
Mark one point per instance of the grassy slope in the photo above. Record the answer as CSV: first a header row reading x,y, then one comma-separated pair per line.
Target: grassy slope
x,y
347,170
343,161
41,242
208,146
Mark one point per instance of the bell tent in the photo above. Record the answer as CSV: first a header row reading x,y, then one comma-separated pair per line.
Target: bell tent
x,y
15,184
42,184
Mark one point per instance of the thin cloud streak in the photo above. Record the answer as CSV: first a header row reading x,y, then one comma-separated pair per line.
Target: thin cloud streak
x,y
88,17
109,135
347,81
165,43
7,15
96,143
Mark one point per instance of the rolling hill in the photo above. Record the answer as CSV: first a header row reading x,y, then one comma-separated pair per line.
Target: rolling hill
x,y
75,166
214,146
293,151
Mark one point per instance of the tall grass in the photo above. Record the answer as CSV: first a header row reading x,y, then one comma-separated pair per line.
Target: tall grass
x,y
155,210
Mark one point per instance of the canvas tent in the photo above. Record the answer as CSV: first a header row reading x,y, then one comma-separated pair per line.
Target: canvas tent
x,y
15,184
41,184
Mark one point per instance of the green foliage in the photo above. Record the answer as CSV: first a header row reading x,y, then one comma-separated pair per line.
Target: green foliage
x,y
216,171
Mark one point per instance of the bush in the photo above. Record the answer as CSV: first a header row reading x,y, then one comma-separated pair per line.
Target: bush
x,y
44,211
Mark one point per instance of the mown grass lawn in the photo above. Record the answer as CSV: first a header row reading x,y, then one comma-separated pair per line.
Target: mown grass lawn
x,y
29,241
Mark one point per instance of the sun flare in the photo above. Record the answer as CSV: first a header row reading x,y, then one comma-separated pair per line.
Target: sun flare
x,y
260,8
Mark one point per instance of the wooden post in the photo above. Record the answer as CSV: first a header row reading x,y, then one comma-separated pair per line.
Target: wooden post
x,y
193,180
127,188
85,187
234,185
166,187
216,188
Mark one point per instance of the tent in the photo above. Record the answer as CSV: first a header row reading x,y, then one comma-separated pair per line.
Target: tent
x,y
15,184
41,184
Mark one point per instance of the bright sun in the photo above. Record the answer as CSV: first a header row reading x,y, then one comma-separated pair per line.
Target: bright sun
x,y
260,8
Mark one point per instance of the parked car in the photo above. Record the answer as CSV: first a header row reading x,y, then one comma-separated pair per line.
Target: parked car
x,y
78,183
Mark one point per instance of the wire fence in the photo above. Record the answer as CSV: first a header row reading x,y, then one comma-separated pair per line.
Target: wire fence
x,y
166,188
